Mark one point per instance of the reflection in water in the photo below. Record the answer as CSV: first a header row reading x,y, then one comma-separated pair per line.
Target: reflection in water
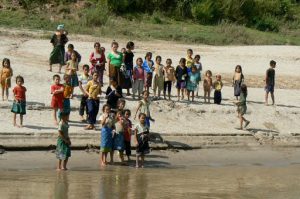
x,y
61,186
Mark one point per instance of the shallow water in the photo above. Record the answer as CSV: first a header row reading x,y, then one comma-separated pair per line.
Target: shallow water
x,y
217,179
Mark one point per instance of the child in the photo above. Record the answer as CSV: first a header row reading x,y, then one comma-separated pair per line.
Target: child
x,y
242,106
84,78
198,65
181,74
207,84
270,82
72,68
5,77
118,137
107,123
93,89
218,85
68,90
127,133
63,149
70,51
169,78
193,81
144,107
57,90
128,61
189,60
121,105
19,105
138,78
237,80
148,67
158,79
97,59
141,134
113,94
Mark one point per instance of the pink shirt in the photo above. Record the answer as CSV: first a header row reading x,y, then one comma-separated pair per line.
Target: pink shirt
x,y
138,73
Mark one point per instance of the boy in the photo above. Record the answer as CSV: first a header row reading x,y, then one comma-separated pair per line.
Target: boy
x,y
57,91
270,82
83,80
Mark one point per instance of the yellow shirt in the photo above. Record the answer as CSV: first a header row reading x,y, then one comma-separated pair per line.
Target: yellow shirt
x,y
189,62
68,90
93,89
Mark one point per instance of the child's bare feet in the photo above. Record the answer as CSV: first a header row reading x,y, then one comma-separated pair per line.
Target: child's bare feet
x,y
64,169
58,169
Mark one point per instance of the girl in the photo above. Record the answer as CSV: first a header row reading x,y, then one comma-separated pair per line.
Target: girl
x,y
63,149
93,90
121,105
113,94
144,107
57,90
118,137
68,55
193,81
83,80
128,61
218,85
169,77
97,59
107,123
237,80
181,74
68,90
115,60
198,65
207,84
19,105
242,106
148,67
158,79
141,134
189,60
72,68
138,78
5,77
127,133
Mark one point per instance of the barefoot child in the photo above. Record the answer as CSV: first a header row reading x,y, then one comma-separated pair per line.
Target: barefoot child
x,y
181,75
144,107
107,123
218,85
237,80
19,105
121,105
270,82
138,78
189,60
169,78
128,61
198,65
84,78
70,51
158,79
148,67
68,90
242,106
72,68
118,137
113,94
63,150
57,91
127,133
5,77
207,84
193,81
141,134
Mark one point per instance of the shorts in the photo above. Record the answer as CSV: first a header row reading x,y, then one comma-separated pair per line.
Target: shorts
x,y
269,88
19,108
180,84
57,103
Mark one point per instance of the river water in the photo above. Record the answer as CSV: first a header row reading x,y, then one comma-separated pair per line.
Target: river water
x,y
186,174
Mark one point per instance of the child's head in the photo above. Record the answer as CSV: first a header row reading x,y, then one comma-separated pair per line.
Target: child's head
x,y
121,104
119,115
6,63
148,56
74,56
130,45
114,46
97,46
189,52
208,73
182,62
197,58
244,89
127,113
113,82
142,118
238,69
67,78
86,69
19,80
169,62
64,117
273,63
102,49
70,48
145,94
95,76
218,77
158,59
106,109
56,79
123,50
194,69
139,61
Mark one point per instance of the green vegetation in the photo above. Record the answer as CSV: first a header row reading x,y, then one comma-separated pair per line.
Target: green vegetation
x,y
218,22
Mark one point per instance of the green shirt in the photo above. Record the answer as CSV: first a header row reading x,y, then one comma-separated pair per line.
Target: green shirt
x,y
64,128
115,60
243,99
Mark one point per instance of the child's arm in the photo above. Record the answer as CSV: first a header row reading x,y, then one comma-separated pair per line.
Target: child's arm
x,y
66,140
135,137
138,109
104,119
61,90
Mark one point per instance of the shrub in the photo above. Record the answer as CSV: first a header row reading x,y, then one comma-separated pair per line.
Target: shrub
x,y
96,16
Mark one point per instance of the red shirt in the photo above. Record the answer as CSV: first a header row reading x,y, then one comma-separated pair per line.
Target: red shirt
x,y
59,96
127,134
19,92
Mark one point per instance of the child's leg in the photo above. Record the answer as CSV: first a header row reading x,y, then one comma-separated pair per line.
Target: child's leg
x,y
208,95
273,98
7,92
142,160
188,95
178,93
182,93
59,165
112,156
15,119
54,115
21,120
128,93
2,89
137,161
121,155
102,163
193,95
241,121
169,90
205,94
59,70
65,162
266,98
50,67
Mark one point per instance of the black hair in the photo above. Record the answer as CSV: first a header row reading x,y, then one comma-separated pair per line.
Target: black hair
x,y
129,44
19,77
169,60
240,67
6,60
197,56
189,50
272,63
104,106
114,43
142,114
127,111
148,54
139,58
96,44
66,76
182,60
157,57
208,72
86,66
145,92
56,76
71,46
121,101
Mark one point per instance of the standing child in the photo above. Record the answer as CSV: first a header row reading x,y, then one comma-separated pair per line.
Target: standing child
x,y
144,107
57,91
63,149
5,77
113,94
169,78
242,106
118,137
128,61
70,51
84,78
127,133
72,68
141,134
181,75
148,67
158,79
207,84
68,90
19,105
121,105
237,80
192,83
138,78
270,82
198,65
189,60
107,123
218,85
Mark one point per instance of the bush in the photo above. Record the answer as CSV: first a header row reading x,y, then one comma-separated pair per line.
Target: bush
x,y
96,16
